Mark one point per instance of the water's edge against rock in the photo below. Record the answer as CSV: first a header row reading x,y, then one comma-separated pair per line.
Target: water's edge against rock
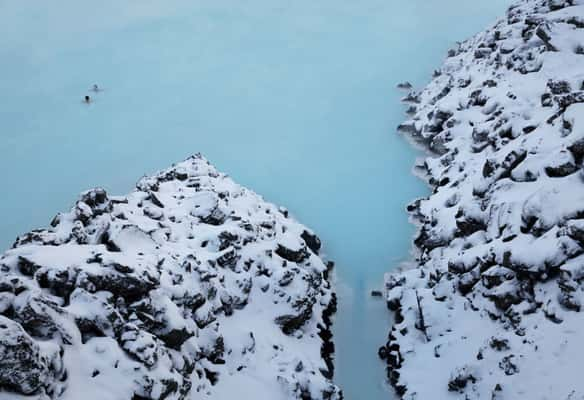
x,y
492,310
191,285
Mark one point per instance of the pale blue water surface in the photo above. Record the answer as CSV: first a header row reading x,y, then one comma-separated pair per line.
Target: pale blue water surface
x,y
294,99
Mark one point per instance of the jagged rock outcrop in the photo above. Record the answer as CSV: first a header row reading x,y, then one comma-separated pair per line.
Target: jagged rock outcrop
x,y
492,310
189,287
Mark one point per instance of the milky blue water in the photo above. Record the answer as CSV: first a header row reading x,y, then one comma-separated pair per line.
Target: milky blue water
x,y
294,99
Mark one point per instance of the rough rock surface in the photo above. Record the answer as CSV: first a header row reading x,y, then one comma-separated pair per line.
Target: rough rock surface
x,y
493,308
189,287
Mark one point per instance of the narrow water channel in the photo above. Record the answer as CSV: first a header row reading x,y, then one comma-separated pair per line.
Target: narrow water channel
x,y
294,99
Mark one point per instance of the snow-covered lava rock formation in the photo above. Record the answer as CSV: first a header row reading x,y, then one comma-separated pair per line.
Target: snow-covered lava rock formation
x,y
189,287
493,308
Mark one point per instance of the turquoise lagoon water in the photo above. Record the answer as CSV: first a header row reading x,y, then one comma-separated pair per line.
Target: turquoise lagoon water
x,y
295,99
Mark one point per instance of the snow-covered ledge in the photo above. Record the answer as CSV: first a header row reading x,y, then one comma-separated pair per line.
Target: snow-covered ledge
x,y
492,311
189,287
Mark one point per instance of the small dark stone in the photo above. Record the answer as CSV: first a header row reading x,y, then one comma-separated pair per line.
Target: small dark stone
x,y
383,352
296,256
312,241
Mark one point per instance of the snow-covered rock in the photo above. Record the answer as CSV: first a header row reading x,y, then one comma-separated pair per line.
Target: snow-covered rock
x,y
189,287
493,309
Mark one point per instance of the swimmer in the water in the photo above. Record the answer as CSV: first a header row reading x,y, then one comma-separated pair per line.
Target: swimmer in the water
x,y
87,99
96,88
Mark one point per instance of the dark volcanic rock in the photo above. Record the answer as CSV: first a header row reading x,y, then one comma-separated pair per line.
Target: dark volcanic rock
x,y
312,241
141,294
500,243
23,367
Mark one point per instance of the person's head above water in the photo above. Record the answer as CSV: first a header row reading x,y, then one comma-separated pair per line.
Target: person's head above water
x,y
87,99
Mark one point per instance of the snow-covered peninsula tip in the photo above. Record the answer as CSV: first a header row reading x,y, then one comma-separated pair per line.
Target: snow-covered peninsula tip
x,y
493,309
189,287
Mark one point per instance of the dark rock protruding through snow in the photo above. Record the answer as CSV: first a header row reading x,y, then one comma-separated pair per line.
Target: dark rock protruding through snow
x,y
493,308
189,287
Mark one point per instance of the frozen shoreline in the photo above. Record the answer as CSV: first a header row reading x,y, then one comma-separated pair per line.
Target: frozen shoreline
x,y
492,308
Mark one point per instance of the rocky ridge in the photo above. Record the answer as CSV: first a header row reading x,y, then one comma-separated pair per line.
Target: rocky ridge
x,y
493,308
191,286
